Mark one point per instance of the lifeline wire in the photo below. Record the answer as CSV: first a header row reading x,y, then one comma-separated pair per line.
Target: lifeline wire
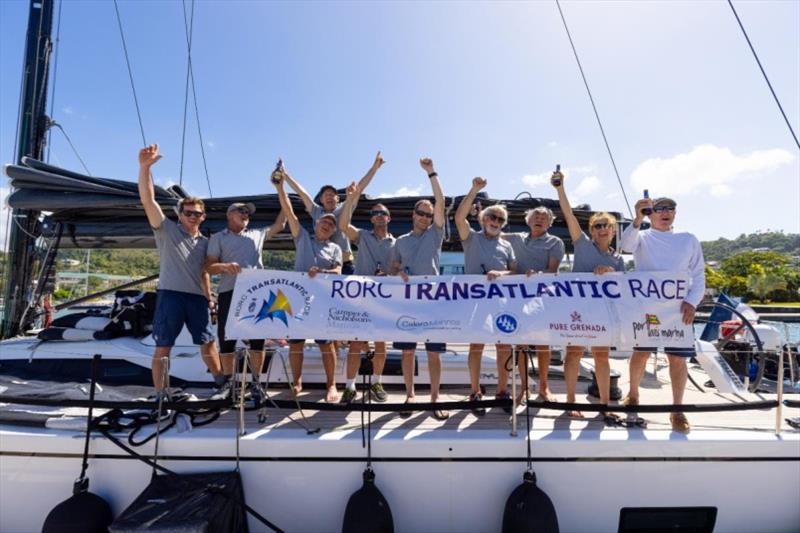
x,y
594,107
775,96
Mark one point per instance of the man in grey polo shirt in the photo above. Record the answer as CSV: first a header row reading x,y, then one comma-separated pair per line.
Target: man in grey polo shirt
x,y
374,248
329,199
537,251
229,251
184,290
485,253
417,253
313,254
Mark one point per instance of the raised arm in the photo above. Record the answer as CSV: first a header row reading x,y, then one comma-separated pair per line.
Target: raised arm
x,y
364,181
572,222
276,226
308,202
438,196
464,208
351,200
286,208
147,158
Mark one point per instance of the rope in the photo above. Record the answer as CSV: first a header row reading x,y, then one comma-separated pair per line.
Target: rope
x,y
130,73
763,72
594,107
189,32
55,77
53,123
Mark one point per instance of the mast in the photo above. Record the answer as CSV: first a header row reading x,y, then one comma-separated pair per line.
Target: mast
x,y
32,126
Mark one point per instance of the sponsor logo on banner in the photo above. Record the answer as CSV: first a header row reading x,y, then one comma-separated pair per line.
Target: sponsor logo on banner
x,y
410,323
346,319
577,328
506,323
651,328
276,299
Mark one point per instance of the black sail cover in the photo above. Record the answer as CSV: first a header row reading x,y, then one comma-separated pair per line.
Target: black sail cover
x,y
106,213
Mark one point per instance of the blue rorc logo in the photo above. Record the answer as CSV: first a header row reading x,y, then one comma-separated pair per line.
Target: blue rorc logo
x,y
506,323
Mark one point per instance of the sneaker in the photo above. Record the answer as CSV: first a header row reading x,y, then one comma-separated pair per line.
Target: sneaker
x,y
377,393
476,397
224,392
504,396
679,423
255,392
348,396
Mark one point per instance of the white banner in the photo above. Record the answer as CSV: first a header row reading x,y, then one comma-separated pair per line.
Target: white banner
x,y
623,310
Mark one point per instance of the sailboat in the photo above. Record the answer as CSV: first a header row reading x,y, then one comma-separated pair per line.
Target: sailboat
x,y
299,460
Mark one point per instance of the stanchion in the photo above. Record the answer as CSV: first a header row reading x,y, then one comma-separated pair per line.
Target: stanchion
x,y
779,410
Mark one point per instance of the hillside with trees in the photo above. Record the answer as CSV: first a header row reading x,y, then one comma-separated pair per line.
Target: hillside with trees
x,y
721,249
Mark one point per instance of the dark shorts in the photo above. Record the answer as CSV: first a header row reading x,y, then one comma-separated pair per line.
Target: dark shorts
x,y
173,310
680,352
437,347
302,341
225,345
348,269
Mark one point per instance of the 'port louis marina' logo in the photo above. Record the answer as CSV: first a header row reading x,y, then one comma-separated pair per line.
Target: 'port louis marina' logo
x,y
276,299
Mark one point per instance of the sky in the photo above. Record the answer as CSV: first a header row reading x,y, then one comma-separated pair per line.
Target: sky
x,y
484,88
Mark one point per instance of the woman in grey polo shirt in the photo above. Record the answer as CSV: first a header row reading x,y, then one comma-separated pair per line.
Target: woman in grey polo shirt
x,y
595,255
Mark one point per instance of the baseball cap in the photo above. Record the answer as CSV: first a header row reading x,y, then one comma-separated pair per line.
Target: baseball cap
x,y
240,205
664,201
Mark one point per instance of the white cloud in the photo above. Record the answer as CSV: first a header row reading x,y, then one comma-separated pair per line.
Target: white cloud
x,y
706,168
402,191
552,144
211,144
68,110
587,185
543,178
534,180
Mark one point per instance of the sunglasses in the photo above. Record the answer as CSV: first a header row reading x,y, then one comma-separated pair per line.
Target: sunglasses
x,y
496,218
190,213
243,211
423,213
663,208
601,225
379,213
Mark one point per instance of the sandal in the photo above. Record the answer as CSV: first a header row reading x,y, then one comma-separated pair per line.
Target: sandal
x,y
406,413
574,414
441,414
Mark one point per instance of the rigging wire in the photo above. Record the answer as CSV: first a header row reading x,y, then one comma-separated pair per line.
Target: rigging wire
x,y
594,107
55,78
186,86
130,73
54,124
194,93
763,72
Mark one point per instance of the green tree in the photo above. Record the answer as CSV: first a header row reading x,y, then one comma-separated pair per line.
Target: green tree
x,y
761,284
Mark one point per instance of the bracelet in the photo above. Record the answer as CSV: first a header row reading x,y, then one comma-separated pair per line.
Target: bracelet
x,y
432,174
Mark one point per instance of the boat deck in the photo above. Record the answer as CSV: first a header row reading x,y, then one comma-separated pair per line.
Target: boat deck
x,y
655,390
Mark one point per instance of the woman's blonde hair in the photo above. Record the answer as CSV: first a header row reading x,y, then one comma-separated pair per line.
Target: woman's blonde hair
x,y
612,220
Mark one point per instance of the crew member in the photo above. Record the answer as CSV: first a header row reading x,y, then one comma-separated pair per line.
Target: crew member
x,y
485,253
661,249
313,254
417,253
